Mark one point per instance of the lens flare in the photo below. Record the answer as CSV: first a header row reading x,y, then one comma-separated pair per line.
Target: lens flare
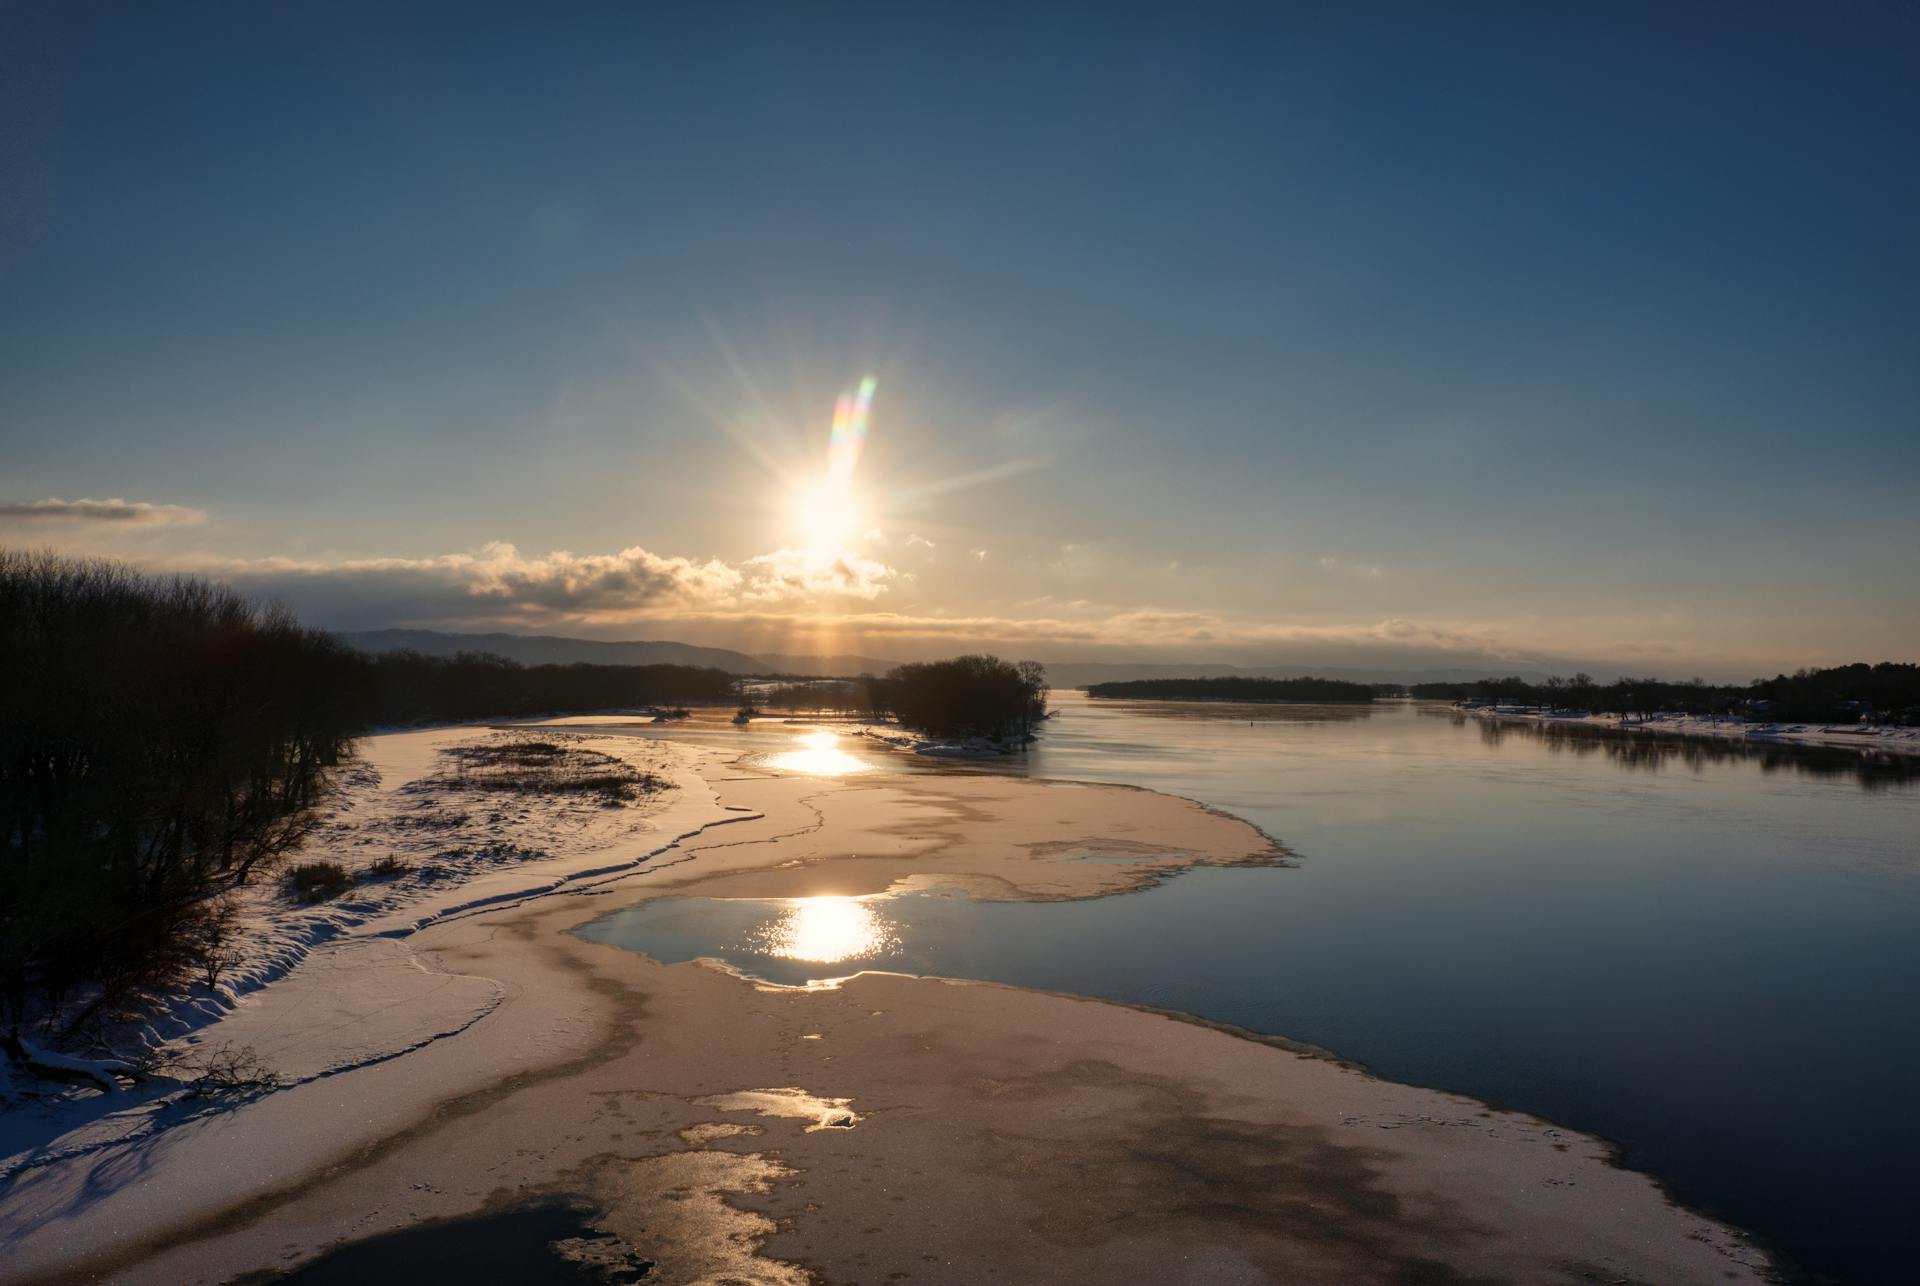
x,y
826,513
849,432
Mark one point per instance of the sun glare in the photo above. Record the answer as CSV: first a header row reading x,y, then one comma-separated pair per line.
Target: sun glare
x,y
818,754
825,516
827,930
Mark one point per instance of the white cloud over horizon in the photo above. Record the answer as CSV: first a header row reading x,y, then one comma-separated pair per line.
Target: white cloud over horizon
x,y
497,583
787,600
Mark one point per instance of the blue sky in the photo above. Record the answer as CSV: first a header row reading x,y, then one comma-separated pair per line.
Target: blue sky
x,y
1334,333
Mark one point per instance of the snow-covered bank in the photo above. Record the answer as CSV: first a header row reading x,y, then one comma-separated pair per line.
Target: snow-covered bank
x,y
1887,738
893,736
308,991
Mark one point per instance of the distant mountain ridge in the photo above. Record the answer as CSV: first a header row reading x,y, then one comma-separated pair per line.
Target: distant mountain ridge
x,y
550,649
839,667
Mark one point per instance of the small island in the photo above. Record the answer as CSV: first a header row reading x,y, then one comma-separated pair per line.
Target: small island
x,y
1233,688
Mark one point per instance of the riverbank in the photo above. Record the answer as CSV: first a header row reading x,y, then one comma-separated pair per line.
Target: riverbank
x,y
1883,738
970,1130
895,737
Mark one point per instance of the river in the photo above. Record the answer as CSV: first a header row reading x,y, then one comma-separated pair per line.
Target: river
x,y
1707,953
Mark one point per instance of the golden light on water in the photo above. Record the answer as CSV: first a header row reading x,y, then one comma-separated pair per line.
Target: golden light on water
x,y
827,930
818,755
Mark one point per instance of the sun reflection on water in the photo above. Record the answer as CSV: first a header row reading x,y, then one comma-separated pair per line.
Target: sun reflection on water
x,y
827,930
819,755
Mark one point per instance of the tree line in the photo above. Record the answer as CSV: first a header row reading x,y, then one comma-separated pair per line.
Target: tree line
x,y
409,687
1235,688
965,696
163,739
159,739
845,697
1888,692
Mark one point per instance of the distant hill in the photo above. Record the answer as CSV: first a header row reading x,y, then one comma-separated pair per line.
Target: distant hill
x,y
1079,674
835,667
547,649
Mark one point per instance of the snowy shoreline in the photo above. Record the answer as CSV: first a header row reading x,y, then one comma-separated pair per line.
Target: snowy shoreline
x,y
894,737
344,962
445,1049
1882,738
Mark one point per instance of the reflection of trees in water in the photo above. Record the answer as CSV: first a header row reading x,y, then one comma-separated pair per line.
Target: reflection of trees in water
x,y
1243,711
1650,751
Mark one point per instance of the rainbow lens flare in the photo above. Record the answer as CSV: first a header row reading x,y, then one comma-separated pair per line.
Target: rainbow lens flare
x,y
849,431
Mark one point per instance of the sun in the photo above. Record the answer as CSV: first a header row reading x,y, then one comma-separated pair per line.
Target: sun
x,y
826,516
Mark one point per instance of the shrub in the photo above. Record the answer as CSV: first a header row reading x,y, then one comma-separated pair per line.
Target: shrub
x,y
214,952
227,1069
318,881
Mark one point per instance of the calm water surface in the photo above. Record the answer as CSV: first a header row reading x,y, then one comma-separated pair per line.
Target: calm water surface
x,y
1708,955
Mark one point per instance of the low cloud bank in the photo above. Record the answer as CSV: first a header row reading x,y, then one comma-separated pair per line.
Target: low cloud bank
x,y
825,602
54,511
498,586
793,601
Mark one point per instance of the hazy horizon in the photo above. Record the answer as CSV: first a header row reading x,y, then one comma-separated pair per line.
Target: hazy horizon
x,y
1379,664
1527,340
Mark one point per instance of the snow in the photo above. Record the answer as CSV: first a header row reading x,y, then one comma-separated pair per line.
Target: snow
x,y
101,1071
314,990
1887,738
898,738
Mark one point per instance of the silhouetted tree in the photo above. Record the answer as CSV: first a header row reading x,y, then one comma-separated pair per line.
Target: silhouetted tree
x,y
160,738
967,696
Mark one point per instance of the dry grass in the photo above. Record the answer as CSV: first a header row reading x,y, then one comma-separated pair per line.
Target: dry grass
x,y
530,766
318,881
387,868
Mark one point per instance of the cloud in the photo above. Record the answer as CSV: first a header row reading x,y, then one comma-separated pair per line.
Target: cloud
x,y
790,572
580,583
116,512
499,585
787,600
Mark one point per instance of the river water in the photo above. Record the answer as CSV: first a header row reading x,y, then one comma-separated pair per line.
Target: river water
x,y
1706,953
